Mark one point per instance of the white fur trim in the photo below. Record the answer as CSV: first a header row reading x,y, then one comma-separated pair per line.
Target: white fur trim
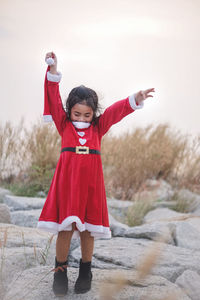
x,y
47,118
133,103
54,77
50,61
81,125
97,231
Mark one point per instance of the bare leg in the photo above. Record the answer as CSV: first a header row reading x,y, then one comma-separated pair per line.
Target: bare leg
x,y
63,244
87,246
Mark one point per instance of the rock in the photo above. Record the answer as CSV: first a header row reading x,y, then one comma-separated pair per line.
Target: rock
x,y
192,198
33,246
26,218
187,236
128,253
23,203
164,204
194,221
3,192
164,215
189,282
196,212
75,256
118,208
150,231
155,190
36,283
4,214
119,204
117,228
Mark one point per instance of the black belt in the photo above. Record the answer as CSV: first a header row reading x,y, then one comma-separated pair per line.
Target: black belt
x,y
81,150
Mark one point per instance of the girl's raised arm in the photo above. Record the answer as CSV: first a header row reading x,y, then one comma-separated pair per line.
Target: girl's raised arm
x,y
53,107
120,109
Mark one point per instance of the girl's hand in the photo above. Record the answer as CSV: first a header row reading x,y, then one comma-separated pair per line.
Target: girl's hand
x,y
143,95
53,68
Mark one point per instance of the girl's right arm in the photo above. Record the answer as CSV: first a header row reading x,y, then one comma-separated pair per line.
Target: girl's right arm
x,y
52,94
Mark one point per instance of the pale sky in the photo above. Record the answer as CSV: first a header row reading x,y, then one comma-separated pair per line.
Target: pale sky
x,y
116,47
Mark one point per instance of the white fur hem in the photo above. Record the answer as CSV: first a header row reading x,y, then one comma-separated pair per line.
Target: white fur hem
x,y
47,118
97,231
54,77
133,103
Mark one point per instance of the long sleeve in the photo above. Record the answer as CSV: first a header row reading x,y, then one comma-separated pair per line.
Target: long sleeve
x,y
116,112
53,103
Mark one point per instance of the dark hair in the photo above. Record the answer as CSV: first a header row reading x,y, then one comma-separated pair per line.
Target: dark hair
x,y
87,96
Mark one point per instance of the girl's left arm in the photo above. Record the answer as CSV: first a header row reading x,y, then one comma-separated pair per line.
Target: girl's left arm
x,y
120,109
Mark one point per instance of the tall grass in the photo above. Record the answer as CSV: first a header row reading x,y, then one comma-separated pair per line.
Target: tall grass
x,y
28,158
149,153
12,150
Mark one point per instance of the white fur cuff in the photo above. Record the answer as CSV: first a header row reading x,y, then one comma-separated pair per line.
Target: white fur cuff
x,y
47,118
54,77
133,103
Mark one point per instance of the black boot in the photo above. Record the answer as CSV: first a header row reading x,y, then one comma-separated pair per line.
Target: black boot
x,y
83,283
60,283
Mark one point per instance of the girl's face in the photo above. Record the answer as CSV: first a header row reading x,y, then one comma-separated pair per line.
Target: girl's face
x,y
81,113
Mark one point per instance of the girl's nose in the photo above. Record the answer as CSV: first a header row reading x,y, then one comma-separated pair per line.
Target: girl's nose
x,y
81,119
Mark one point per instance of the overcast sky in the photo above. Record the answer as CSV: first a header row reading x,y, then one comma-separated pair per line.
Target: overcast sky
x,y
116,47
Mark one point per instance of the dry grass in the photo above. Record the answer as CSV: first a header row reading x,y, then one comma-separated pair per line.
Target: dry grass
x,y
12,150
28,157
137,211
152,152
45,252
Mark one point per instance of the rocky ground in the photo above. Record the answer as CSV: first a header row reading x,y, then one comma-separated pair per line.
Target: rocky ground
x,y
160,259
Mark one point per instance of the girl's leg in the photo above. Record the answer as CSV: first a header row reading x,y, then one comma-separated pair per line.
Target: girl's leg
x,y
83,282
63,244
60,284
87,246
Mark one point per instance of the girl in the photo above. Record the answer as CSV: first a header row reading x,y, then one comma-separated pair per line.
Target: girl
x,y
76,202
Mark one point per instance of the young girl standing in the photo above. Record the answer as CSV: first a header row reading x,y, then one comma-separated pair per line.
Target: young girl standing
x,y
76,202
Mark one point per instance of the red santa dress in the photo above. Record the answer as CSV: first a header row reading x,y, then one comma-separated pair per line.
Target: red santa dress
x,y
77,192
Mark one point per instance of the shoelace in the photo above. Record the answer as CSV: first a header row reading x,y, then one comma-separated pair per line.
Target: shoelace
x,y
61,268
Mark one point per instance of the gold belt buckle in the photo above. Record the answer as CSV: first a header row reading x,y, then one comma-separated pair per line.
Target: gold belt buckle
x,y
82,150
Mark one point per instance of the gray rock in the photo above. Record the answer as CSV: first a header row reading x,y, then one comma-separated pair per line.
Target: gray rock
x,y
189,282
36,283
187,236
152,231
164,215
155,190
195,222
18,236
3,192
117,228
75,256
23,203
192,198
164,204
26,218
4,214
119,208
119,204
129,252
196,212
